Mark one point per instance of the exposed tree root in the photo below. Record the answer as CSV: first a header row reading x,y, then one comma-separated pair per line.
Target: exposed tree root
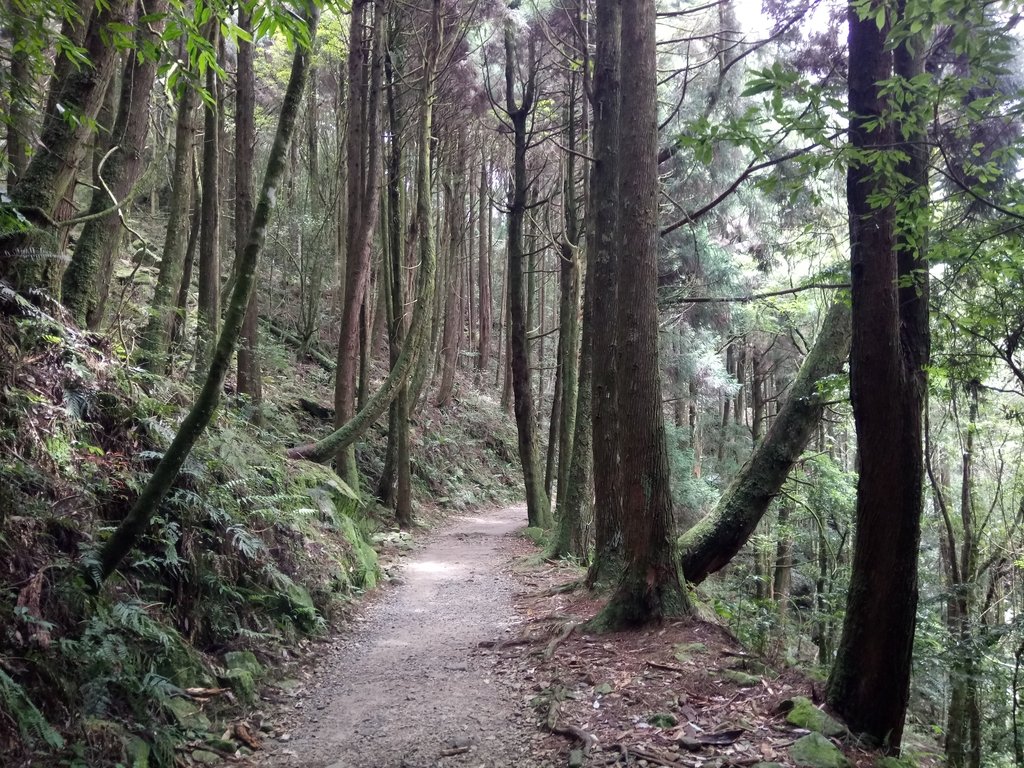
x,y
588,740
562,589
560,638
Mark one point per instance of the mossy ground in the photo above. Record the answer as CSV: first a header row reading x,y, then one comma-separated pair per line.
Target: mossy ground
x,y
248,554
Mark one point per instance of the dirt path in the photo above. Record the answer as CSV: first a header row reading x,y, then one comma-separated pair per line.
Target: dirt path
x,y
409,687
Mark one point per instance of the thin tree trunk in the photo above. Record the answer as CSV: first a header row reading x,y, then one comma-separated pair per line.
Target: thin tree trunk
x,y
538,507
208,312
250,380
157,337
419,326
483,359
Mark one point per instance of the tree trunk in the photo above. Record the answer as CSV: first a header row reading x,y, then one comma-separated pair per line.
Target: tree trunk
x,y
364,75
198,418
208,311
604,181
712,543
537,504
650,587
419,326
250,380
100,239
870,681
483,359
32,259
157,337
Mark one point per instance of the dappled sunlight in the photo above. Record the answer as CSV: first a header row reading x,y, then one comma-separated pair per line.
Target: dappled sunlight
x,y
434,567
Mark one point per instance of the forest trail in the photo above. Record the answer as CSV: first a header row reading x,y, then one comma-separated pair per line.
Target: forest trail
x,y
407,686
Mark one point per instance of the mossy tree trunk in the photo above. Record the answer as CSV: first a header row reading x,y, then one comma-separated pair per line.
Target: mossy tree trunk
x,y
208,309
650,587
156,338
199,417
250,380
30,259
713,542
603,260
100,239
870,681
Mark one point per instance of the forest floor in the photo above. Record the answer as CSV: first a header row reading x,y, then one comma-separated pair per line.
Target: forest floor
x,y
475,656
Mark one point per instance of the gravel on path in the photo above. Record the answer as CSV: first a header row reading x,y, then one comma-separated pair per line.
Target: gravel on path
x,y
409,686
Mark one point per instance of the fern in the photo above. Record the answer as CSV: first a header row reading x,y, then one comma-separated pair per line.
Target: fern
x,y
31,723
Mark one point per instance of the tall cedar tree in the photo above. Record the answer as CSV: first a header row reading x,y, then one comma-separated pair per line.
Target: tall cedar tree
x,y
604,178
870,681
650,587
538,506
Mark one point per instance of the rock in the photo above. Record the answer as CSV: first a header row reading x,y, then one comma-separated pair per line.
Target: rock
x,y
769,765
244,661
577,759
604,689
662,720
222,745
203,757
241,683
137,751
815,751
685,651
187,714
805,715
741,678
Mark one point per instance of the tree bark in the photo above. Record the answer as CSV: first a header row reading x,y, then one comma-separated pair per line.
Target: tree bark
x,y
870,681
419,326
363,152
31,259
208,310
100,239
483,359
538,506
156,338
608,553
250,380
650,587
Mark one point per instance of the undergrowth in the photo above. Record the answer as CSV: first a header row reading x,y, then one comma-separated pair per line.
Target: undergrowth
x,y
248,552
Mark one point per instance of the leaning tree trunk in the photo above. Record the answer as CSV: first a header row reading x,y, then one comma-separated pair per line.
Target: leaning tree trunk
x,y
870,681
101,237
607,564
199,417
650,587
712,543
